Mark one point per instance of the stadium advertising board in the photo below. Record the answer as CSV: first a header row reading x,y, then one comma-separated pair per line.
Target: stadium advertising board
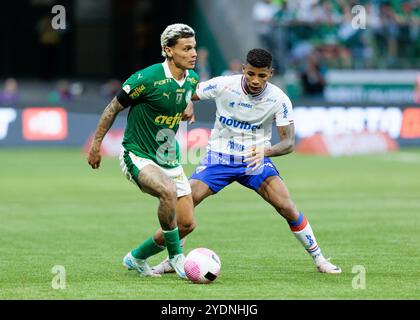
x,y
52,125
367,86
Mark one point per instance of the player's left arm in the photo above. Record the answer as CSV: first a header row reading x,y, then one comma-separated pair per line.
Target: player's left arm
x,y
285,128
255,156
286,144
204,90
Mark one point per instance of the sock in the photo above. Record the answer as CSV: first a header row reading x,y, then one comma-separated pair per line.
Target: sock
x,y
147,249
182,242
172,242
303,232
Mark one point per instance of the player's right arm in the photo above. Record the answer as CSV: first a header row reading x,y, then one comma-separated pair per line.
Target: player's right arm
x,y
205,90
132,92
105,123
210,89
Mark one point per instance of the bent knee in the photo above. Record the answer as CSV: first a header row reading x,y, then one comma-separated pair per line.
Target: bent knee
x,y
187,226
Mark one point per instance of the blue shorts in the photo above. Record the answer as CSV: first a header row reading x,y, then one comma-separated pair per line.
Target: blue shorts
x,y
218,170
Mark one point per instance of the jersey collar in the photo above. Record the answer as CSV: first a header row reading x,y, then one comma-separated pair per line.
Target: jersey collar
x,y
168,73
255,95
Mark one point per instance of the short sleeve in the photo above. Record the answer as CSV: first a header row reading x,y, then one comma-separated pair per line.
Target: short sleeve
x,y
284,114
210,89
133,90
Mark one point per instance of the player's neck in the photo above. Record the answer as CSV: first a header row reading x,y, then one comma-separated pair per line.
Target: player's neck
x,y
177,73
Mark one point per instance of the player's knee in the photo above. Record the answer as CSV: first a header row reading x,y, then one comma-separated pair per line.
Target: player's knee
x,y
187,226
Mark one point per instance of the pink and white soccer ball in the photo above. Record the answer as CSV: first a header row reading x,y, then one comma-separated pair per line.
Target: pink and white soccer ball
x,y
202,265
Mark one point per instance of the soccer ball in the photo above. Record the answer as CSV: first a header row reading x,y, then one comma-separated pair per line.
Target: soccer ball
x,y
202,265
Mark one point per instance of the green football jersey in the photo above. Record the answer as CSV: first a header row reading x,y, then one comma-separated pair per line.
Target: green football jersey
x,y
157,104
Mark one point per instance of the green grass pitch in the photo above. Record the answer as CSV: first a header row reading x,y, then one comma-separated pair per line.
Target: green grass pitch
x,y
56,211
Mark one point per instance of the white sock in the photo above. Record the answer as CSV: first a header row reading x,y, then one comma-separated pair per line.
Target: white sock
x,y
303,232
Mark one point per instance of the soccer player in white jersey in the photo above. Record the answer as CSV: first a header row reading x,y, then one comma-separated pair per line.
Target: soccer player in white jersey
x,y
240,149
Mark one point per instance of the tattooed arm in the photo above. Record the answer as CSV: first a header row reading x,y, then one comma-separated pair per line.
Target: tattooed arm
x,y
106,121
286,144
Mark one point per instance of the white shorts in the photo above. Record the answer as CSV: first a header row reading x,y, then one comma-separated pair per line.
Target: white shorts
x,y
131,165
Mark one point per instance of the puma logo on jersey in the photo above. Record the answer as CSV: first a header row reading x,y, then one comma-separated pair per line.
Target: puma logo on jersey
x,y
166,94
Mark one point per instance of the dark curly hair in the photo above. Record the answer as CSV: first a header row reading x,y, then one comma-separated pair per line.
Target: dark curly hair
x,y
259,58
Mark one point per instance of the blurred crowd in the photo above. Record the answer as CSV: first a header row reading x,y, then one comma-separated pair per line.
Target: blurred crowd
x,y
388,37
306,36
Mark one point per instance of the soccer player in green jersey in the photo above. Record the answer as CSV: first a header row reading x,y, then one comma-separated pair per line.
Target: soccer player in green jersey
x,y
150,158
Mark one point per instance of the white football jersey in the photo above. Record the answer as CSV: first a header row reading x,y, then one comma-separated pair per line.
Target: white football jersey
x,y
243,120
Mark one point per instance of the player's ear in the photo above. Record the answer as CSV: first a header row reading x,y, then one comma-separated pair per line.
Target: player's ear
x,y
168,52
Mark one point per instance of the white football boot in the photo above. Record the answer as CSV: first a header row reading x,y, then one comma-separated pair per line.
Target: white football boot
x,y
177,263
140,265
163,267
325,266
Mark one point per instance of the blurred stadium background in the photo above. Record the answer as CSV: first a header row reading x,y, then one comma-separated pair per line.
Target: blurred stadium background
x,y
351,69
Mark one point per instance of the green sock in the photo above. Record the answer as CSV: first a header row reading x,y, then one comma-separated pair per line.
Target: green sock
x,y
147,249
172,242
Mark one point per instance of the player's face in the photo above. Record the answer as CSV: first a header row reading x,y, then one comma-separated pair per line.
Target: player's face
x,y
183,53
256,78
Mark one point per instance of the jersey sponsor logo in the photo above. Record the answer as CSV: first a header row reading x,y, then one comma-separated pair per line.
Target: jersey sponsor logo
x,y
245,105
210,87
285,111
137,91
238,124
169,121
232,145
166,94
161,82
182,90
232,104
192,81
